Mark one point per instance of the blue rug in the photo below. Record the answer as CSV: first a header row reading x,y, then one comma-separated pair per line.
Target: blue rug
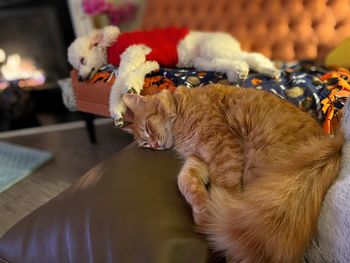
x,y
17,162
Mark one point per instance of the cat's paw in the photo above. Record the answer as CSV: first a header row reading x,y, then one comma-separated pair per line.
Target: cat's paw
x,y
199,203
199,209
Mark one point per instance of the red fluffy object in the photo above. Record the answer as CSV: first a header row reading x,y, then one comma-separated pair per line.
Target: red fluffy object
x,y
163,43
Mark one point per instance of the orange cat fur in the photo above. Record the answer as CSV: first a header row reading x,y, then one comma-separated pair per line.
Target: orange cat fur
x,y
267,163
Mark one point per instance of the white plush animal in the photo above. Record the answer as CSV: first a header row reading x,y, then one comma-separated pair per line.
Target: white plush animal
x,y
139,53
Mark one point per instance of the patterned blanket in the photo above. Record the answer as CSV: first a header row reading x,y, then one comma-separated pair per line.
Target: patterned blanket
x,y
315,89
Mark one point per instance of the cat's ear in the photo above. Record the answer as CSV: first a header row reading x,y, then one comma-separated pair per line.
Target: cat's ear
x,y
129,115
128,121
134,102
166,104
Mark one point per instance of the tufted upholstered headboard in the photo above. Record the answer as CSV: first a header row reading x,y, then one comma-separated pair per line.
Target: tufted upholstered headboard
x,y
280,29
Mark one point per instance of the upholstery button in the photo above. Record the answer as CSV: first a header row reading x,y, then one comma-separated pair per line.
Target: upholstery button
x,y
179,9
244,5
225,6
292,23
315,23
344,31
339,24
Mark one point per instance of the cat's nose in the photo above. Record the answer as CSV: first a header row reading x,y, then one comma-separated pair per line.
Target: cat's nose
x,y
155,145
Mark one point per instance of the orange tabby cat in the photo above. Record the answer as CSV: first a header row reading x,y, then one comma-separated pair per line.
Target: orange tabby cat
x,y
267,163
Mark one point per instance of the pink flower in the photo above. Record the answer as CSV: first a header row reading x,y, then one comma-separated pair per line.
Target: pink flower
x,y
117,14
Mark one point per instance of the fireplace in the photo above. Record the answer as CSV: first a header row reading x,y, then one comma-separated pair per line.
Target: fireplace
x,y
31,47
23,71
34,36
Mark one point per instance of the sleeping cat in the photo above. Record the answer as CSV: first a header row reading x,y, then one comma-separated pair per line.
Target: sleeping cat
x,y
256,167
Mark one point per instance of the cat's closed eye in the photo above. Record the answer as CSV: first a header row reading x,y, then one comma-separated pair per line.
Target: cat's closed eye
x,y
149,128
145,132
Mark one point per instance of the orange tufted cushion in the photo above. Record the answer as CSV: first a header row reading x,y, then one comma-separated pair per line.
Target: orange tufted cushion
x,y
280,29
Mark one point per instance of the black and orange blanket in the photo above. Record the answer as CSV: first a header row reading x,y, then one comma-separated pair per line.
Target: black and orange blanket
x,y
315,89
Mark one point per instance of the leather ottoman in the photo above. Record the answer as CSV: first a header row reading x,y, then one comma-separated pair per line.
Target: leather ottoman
x,y
127,209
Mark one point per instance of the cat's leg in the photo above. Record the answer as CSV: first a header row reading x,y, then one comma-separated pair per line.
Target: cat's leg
x,y
192,181
236,70
226,160
261,64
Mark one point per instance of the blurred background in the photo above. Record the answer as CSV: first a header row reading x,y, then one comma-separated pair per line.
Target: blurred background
x,y
35,35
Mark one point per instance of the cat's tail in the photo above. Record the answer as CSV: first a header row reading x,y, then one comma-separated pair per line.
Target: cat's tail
x,y
275,216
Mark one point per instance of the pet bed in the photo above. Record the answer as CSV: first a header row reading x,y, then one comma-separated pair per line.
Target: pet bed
x,y
315,89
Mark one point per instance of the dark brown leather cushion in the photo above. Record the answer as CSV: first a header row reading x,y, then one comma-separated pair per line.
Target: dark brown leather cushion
x,y
127,209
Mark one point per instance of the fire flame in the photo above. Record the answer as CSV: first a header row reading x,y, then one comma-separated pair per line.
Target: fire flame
x,y
22,70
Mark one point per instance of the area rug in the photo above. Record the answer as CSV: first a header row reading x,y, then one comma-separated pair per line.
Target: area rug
x,y
17,162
